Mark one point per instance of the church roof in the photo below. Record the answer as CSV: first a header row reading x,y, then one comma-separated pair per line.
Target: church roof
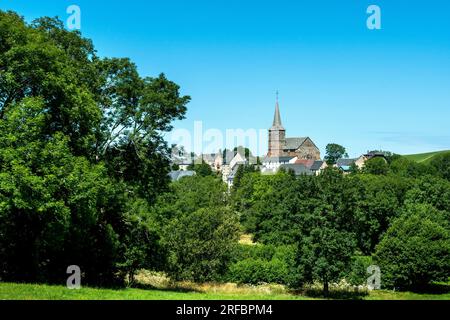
x,y
277,125
294,143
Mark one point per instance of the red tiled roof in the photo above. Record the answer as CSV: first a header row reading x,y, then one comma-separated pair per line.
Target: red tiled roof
x,y
306,163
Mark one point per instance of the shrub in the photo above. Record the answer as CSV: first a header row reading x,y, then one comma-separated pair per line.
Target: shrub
x,y
263,264
257,271
358,271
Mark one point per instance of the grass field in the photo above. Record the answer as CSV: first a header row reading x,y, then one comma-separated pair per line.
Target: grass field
x,y
424,157
12,291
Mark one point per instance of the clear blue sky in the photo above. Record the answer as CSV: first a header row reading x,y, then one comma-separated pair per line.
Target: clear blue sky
x,y
338,81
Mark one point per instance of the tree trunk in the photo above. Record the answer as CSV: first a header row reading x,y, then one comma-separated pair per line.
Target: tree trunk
x,y
326,289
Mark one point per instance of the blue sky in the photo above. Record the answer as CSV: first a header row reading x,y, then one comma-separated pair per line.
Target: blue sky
x,y
338,81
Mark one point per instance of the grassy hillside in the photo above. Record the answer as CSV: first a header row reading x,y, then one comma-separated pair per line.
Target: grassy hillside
x,y
12,291
424,157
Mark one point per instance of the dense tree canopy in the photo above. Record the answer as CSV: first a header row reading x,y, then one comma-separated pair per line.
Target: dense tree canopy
x,y
198,229
81,142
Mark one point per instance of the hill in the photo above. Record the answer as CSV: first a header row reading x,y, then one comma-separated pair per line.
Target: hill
x,y
425,157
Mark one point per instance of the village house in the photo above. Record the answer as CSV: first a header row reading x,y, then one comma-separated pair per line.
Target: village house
x,y
346,164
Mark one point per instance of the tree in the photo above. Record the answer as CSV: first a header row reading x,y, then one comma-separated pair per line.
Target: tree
x,y
407,168
238,177
415,250
371,203
201,244
388,155
334,152
377,166
441,163
140,243
81,141
135,113
324,251
199,231
430,190
243,151
44,60
203,169
56,209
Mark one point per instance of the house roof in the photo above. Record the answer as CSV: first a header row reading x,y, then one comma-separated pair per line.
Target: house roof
x,y
181,160
277,159
345,162
306,163
299,169
374,154
209,157
316,165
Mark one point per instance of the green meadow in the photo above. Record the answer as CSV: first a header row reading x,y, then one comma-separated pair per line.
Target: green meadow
x,y
424,157
13,291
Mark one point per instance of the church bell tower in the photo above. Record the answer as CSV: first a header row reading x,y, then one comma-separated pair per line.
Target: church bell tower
x,y
277,135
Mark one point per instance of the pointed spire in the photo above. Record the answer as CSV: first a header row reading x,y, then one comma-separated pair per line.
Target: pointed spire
x,y
277,117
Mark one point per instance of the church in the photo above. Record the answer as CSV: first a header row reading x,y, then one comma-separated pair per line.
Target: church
x,y
279,146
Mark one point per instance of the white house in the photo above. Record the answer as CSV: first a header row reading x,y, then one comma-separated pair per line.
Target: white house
x,y
272,164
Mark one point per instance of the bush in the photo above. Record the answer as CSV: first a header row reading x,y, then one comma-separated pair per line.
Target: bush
x,y
263,264
358,271
415,250
257,271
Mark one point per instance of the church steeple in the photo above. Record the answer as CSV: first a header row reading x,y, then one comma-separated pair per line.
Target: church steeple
x,y
277,125
277,135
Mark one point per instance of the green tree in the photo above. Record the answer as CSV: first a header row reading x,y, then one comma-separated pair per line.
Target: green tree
x,y
407,168
324,250
334,152
56,209
441,163
238,177
430,190
201,244
415,250
140,242
81,141
203,169
198,229
371,202
377,166
243,151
